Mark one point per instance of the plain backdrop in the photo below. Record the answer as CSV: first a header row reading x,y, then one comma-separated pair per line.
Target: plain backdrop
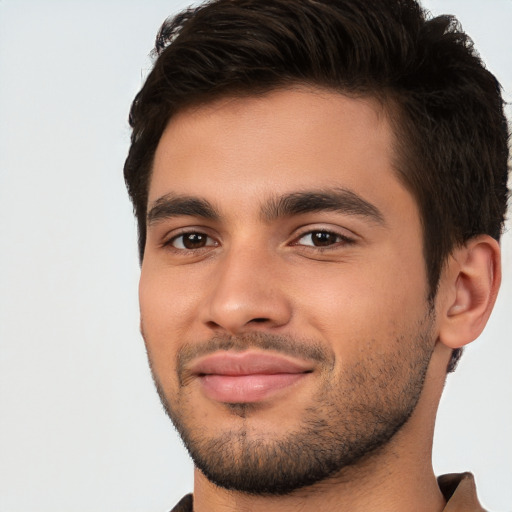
x,y
81,428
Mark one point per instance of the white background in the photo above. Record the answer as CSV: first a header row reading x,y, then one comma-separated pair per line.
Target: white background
x,y
81,428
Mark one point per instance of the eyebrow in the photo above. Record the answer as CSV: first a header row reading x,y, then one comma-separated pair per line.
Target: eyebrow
x,y
336,200
170,206
296,203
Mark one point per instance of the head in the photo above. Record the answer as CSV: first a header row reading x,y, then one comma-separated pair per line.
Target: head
x,y
423,77
425,71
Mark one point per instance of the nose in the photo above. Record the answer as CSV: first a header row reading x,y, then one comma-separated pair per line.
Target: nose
x,y
247,293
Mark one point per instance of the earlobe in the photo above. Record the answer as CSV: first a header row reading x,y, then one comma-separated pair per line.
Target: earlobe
x,y
470,284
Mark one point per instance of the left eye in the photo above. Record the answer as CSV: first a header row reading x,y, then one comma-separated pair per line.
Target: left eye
x,y
321,239
189,241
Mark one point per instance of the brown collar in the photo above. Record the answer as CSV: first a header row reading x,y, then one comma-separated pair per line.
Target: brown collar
x,y
460,492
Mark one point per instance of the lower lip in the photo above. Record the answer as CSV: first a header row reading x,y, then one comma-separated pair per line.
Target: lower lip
x,y
246,388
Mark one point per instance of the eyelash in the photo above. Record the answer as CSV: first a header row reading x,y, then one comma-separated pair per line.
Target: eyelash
x,y
169,243
340,239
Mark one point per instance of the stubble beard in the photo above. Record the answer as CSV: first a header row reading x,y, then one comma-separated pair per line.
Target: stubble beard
x,y
350,419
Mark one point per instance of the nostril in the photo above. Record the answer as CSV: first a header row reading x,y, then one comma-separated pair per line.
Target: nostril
x,y
259,320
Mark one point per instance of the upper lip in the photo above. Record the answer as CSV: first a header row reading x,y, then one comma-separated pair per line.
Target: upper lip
x,y
248,363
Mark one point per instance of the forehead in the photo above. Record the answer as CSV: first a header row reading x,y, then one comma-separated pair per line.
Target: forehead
x,y
244,148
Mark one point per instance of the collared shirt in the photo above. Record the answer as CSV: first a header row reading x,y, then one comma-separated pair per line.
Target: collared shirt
x,y
458,489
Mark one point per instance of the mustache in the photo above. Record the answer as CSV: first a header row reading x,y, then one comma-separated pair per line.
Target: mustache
x,y
294,347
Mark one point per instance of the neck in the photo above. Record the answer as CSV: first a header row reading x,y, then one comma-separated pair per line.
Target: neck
x,y
378,485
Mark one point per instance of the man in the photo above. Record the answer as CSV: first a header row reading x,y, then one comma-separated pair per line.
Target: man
x,y
320,189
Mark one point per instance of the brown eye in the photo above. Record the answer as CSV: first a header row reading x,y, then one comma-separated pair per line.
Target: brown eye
x,y
190,241
322,239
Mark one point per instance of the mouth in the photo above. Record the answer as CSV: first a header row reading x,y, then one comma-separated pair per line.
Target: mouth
x,y
247,377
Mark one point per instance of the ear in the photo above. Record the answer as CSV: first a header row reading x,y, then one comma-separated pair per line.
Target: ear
x,y
467,290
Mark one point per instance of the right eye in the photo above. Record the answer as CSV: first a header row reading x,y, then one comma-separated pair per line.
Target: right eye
x,y
191,241
322,238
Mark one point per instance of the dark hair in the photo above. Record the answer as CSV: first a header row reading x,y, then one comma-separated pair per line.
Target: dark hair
x,y
445,107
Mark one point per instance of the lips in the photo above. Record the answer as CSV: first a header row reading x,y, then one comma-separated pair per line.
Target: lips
x,y
232,377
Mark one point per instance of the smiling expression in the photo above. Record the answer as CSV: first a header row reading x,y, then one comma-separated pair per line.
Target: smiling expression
x,y
283,288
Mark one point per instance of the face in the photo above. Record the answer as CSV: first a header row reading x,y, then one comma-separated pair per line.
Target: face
x,y
283,288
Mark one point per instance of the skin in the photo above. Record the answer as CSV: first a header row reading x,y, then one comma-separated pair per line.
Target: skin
x,y
362,298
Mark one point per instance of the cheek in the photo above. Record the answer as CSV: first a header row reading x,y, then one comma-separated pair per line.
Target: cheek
x,y
352,307
165,311
167,299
